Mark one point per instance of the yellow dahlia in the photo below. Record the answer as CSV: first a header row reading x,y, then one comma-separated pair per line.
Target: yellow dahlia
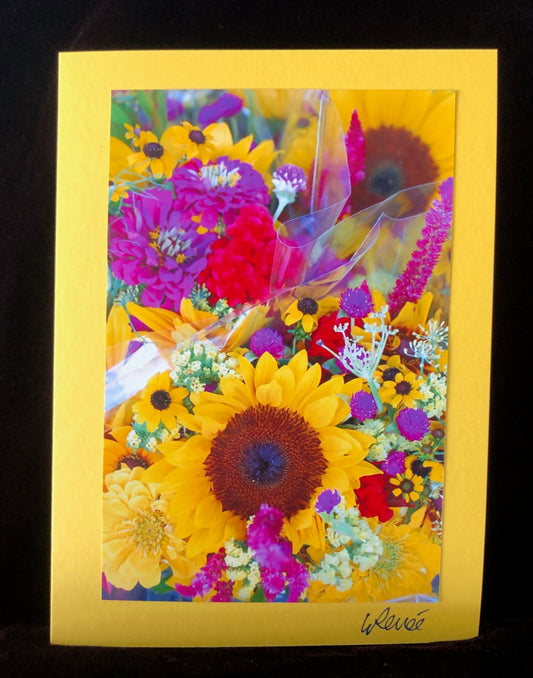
x,y
160,403
409,139
138,539
272,437
407,566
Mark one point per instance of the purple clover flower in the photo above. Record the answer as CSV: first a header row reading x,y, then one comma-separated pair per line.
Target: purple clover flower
x,y
413,424
267,340
357,301
225,106
393,464
363,406
327,500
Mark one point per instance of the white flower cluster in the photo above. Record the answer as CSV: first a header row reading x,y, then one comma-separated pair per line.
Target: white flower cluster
x,y
385,440
242,567
201,364
139,437
429,344
353,544
434,392
361,361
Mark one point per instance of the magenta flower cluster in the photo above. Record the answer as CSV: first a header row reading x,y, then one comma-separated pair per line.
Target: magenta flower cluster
x,y
217,190
151,246
412,282
279,569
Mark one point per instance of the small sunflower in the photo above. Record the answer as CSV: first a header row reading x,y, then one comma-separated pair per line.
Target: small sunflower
x,y
271,438
409,139
117,452
160,403
156,154
401,391
407,485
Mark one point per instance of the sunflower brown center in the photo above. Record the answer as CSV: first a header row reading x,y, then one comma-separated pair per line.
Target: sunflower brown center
x,y
395,159
153,150
307,306
132,460
265,455
160,399
197,137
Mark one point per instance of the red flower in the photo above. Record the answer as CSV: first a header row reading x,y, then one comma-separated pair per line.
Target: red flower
x,y
326,334
240,264
372,498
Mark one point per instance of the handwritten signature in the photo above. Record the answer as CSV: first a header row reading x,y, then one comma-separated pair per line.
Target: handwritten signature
x,y
388,622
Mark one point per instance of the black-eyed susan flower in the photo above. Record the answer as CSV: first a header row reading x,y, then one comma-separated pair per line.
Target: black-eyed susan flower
x,y
402,391
160,403
407,485
158,155
206,144
303,310
272,437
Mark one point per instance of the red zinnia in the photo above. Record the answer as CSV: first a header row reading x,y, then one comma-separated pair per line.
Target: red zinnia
x,y
240,264
372,498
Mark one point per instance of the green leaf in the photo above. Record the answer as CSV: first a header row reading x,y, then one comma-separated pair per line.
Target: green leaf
x,y
119,118
258,595
343,528
332,366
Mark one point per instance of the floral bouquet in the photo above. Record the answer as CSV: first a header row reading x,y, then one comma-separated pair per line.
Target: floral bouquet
x,y
277,341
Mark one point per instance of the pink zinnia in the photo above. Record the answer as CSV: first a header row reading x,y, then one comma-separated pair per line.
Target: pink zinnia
x,y
412,282
217,189
150,246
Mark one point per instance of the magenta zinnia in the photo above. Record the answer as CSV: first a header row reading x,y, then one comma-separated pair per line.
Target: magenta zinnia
x,y
217,190
412,282
150,246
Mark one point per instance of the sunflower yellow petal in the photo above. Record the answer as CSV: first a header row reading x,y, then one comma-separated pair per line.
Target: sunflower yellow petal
x,y
320,413
265,369
269,394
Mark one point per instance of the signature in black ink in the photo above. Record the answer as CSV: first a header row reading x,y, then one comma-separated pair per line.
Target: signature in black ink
x,y
388,622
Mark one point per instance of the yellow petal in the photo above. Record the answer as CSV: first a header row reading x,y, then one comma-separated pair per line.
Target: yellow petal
x,y
265,369
320,413
269,394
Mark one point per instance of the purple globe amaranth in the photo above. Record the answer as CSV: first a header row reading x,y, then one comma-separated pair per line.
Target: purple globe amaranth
x,y
363,406
327,500
357,301
266,340
413,424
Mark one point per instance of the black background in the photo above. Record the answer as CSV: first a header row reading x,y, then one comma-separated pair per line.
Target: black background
x,y
31,34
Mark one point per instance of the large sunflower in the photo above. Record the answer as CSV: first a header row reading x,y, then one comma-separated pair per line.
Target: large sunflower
x,y
271,438
409,139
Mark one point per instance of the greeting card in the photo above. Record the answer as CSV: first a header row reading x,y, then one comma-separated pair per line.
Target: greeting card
x,y
268,285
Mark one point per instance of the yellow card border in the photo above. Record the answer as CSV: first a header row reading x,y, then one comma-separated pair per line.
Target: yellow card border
x,y
86,79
